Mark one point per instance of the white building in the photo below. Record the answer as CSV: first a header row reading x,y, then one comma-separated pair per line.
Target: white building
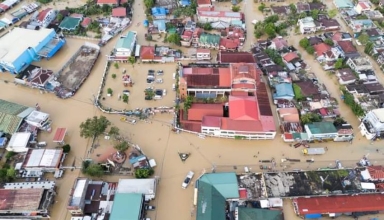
x,y
19,142
143,186
37,119
46,16
362,6
372,125
203,54
125,45
307,25
204,16
43,160
359,64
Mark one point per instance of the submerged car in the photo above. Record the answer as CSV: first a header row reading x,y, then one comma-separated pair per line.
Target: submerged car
x,y
187,180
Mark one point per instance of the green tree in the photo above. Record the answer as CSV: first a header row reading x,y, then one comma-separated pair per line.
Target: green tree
x,y
110,91
66,148
94,170
368,48
315,13
270,30
304,43
9,155
235,8
11,174
188,103
149,3
174,38
116,65
113,76
309,118
59,17
297,91
329,42
310,50
125,98
293,8
121,146
93,127
114,131
3,174
207,26
131,60
332,13
339,64
261,7
143,173
363,38
302,15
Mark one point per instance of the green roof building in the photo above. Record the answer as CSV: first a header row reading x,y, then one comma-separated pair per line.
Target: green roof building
x,y
126,45
12,115
69,24
321,130
246,213
127,206
209,40
213,191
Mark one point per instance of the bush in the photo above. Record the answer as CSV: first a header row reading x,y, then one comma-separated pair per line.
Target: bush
x,y
110,91
125,98
143,173
66,148
113,76
235,8
9,155
116,65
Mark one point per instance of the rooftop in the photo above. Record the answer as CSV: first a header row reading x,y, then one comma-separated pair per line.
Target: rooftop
x,y
144,186
11,115
290,56
207,77
253,185
340,204
198,111
20,200
14,43
308,88
213,190
127,206
127,41
43,13
119,12
218,14
69,23
321,48
235,57
323,127
48,158
347,46
246,213
379,113
346,74
311,183
243,108
78,192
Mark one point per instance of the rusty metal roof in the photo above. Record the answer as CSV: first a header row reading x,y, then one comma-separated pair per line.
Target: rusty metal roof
x,y
20,199
263,100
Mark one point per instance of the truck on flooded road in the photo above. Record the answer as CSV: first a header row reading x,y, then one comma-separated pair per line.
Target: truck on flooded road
x,y
313,151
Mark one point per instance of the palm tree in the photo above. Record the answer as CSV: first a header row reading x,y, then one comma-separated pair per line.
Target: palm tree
x,y
121,147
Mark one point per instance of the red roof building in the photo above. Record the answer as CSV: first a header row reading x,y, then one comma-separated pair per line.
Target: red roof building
x,y
43,14
339,204
119,12
321,48
107,2
198,111
86,22
289,57
204,3
376,172
147,53
235,57
243,108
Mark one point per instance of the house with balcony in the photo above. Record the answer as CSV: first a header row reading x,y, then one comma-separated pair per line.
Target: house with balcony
x,y
186,38
328,24
347,49
203,54
374,15
278,43
46,16
307,25
211,41
359,64
372,125
362,6
359,25
346,76
321,51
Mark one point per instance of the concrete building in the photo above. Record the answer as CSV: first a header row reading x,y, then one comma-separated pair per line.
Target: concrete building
x,y
12,115
125,46
362,6
21,47
46,16
43,160
359,64
146,187
204,16
346,76
307,25
372,125
327,131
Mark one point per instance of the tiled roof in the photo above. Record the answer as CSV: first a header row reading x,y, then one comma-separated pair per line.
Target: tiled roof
x,y
9,121
340,204
86,22
243,108
236,57
43,13
198,111
321,48
263,100
376,172
290,56
347,46
204,2
147,52
112,2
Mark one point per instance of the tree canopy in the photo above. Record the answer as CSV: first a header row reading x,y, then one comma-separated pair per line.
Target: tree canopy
x,y
143,173
339,64
304,43
363,38
94,127
114,131
121,146
174,38
309,118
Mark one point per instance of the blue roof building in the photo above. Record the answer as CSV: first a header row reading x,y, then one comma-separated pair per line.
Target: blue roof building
x,y
184,3
21,47
125,46
213,191
160,24
127,206
343,4
159,12
284,91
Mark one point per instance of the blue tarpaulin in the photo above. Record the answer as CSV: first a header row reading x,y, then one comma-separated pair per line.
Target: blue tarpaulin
x,y
312,216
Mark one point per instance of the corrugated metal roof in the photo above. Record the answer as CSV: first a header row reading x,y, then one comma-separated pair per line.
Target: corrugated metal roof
x,y
9,119
126,206
263,100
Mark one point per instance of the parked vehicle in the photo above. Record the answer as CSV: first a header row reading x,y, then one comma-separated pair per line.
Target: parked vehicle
x,y
159,81
187,179
313,151
150,207
126,92
160,72
174,76
173,87
150,80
